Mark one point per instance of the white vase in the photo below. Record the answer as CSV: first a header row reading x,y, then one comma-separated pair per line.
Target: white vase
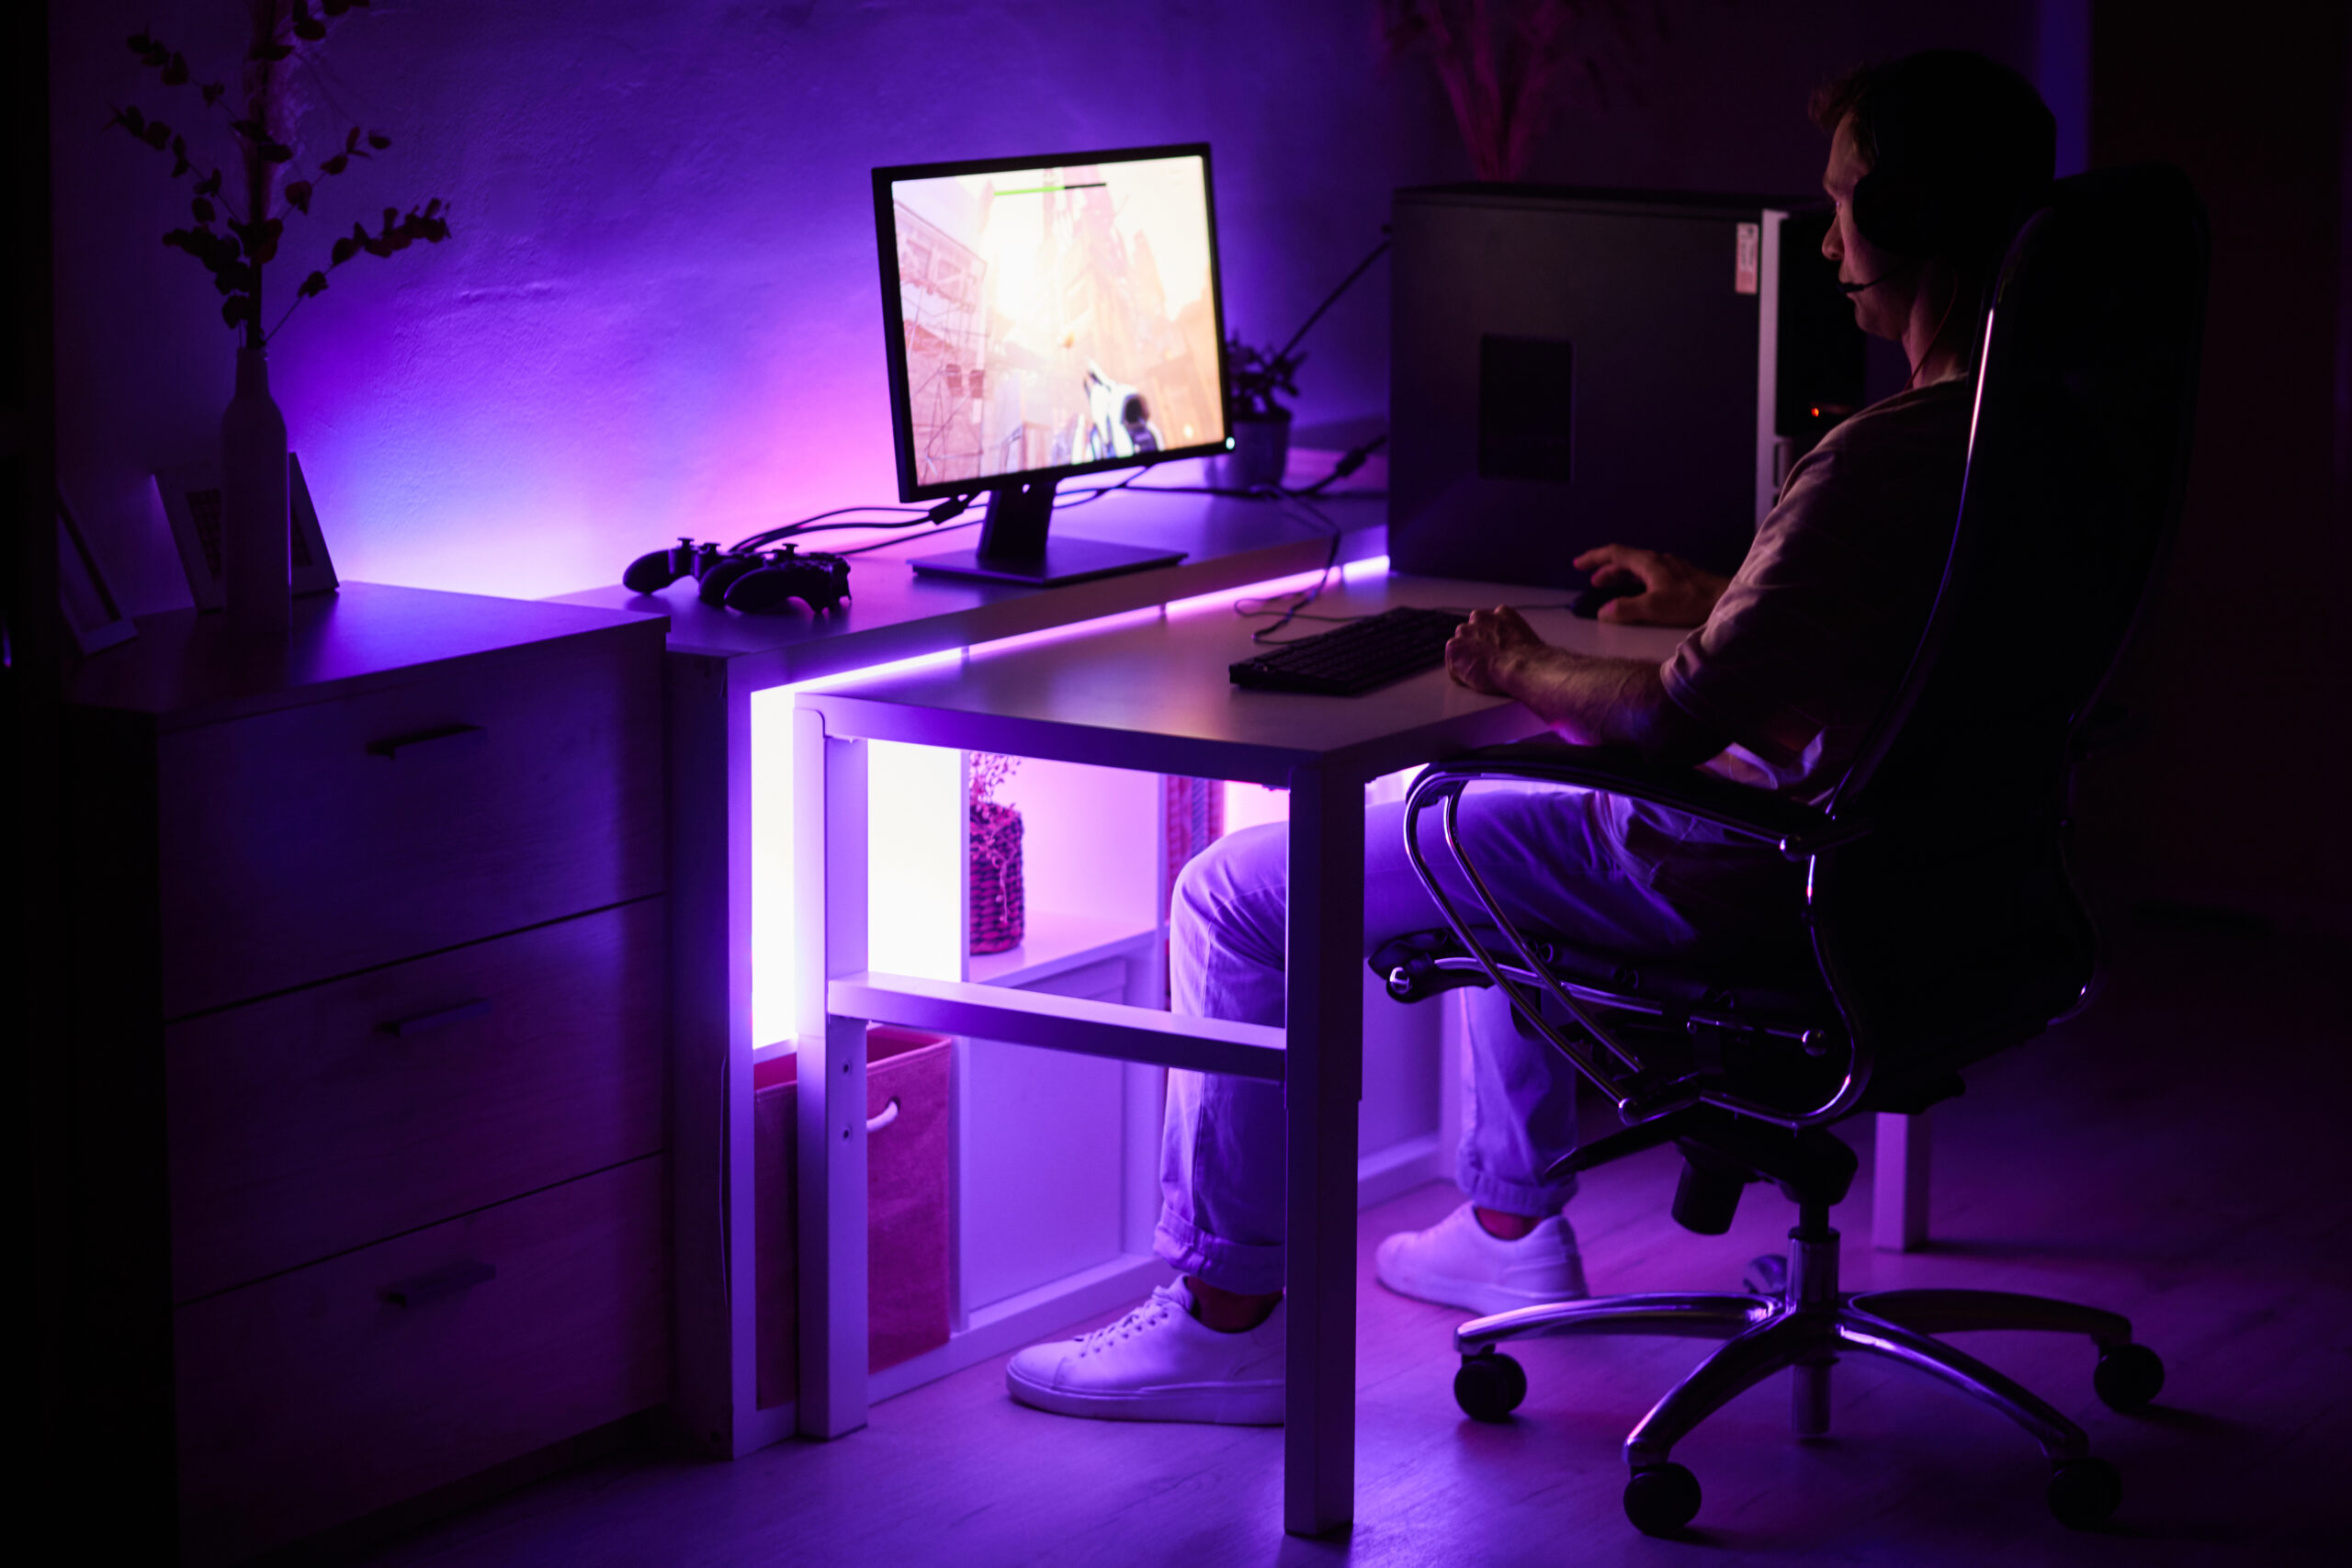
x,y
258,585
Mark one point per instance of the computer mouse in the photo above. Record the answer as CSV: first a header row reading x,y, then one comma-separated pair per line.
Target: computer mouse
x,y
1587,605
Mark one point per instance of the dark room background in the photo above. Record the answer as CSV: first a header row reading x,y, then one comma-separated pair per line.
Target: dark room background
x,y
658,313
660,310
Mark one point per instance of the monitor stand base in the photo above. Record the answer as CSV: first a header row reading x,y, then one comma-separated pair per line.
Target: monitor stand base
x,y
1014,546
1062,560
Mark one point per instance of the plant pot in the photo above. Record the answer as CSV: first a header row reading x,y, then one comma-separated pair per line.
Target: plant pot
x,y
256,565
1260,451
998,906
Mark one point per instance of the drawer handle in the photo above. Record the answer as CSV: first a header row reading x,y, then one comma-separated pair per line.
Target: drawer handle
x,y
889,1114
426,1023
391,750
449,1281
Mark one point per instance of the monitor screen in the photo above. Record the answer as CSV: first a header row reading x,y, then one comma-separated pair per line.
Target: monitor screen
x,y
1050,316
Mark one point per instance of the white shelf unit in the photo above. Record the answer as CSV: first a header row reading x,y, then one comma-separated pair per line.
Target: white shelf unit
x,y
1053,1184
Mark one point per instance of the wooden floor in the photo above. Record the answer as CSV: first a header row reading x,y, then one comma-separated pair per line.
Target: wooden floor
x,y
2180,1155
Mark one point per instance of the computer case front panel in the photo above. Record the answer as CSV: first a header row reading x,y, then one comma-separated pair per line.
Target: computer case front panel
x,y
1577,369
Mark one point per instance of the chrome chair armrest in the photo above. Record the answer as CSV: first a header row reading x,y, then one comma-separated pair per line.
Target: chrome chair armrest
x,y
1799,831
1597,1051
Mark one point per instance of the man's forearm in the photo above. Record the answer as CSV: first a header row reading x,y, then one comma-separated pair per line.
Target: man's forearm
x,y
1605,701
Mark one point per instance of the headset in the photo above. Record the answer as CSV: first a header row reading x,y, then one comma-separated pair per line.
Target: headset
x,y
1964,148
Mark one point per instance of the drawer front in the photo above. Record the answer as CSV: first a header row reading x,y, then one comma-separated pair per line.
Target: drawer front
x,y
322,1394
314,841
330,1118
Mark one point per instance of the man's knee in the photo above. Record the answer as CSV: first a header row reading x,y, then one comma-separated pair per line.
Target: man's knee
x,y
1238,865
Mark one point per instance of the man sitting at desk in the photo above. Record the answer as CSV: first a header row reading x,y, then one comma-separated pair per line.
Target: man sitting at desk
x,y
1791,661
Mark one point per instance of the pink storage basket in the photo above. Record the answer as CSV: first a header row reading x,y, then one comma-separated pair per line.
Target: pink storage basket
x,y
906,1169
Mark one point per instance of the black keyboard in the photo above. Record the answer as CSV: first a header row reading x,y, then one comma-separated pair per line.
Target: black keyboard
x,y
1354,658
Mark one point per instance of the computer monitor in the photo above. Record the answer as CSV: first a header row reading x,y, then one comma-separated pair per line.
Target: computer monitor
x,y
1046,317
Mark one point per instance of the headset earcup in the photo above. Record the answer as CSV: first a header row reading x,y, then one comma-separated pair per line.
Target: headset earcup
x,y
1888,211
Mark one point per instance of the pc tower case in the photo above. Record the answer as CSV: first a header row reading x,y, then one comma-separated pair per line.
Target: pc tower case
x,y
1572,368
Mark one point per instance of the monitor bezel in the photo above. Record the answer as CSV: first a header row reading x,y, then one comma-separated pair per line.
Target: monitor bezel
x,y
886,229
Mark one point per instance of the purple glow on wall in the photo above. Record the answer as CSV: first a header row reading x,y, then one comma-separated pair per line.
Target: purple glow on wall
x,y
659,311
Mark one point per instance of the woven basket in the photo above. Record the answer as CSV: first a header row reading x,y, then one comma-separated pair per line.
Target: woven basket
x,y
999,910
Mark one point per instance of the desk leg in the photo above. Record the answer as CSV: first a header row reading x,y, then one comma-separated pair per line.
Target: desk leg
x,y
829,845
1322,1076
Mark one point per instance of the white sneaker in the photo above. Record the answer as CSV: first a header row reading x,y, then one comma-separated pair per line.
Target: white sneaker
x,y
1455,1263
1158,1364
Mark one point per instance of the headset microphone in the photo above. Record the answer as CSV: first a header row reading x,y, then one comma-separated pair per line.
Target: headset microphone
x,y
1897,270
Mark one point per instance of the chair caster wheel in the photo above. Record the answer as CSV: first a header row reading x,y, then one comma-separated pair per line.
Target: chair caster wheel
x,y
1662,1499
1766,1276
2128,1377
1489,1386
2084,1493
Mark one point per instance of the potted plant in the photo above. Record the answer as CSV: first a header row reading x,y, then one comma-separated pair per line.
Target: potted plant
x,y
234,232
1261,423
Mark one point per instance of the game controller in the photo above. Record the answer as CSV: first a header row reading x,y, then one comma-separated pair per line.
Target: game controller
x,y
818,580
748,580
652,572
712,582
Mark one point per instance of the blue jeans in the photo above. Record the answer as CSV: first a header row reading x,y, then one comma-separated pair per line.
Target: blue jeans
x,y
1221,1144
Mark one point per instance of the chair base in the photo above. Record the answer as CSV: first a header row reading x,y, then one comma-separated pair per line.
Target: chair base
x,y
1796,1318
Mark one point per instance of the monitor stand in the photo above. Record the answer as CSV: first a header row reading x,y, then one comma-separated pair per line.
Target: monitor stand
x,y
1013,546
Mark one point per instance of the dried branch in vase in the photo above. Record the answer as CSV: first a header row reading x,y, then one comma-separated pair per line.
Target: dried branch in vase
x,y
987,773
235,246
1508,65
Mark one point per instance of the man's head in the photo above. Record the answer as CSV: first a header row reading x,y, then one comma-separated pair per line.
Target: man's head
x,y
1934,159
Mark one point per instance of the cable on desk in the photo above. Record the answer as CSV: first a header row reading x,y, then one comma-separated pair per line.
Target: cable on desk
x,y
899,517
1078,498
885,544
908,518
1302,598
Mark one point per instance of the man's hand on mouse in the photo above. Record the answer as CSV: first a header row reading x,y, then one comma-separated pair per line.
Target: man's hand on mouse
x,y
1673,592
1485,646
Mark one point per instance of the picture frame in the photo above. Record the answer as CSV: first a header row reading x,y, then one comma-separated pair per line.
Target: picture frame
x,y
85,600
192,497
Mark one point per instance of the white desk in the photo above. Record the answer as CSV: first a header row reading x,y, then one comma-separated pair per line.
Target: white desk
x,y
719,663
1152,696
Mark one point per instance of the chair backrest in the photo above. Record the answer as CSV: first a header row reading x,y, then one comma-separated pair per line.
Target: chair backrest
x,y
1956,928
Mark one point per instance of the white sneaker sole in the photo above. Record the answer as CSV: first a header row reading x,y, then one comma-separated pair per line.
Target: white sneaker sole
x,y
1257,1403
1475,1296
1483,1297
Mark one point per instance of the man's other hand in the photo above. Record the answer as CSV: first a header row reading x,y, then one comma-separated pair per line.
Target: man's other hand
x,y
1484,646
1673,592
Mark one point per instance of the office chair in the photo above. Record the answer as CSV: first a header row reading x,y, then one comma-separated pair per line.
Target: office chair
x,y
1941,921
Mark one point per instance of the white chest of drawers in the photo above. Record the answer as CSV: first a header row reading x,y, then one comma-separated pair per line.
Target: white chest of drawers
x,y
361,1132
